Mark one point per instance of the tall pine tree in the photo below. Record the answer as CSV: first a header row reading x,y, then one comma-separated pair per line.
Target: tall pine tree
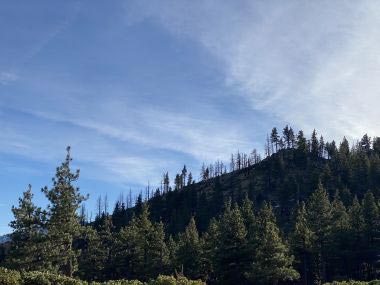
x,y
63,225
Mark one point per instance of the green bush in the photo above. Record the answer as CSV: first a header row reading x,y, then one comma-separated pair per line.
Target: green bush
x,y
35,278
123,282
170,280
43,278
351,282
9,277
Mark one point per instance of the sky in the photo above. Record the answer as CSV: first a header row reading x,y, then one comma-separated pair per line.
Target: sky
x,y
139,87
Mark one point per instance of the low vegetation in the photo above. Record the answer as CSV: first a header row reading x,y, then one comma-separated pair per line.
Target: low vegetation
x,y
12,277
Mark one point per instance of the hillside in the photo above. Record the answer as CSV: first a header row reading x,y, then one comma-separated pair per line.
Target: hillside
x,y
284,179
307,213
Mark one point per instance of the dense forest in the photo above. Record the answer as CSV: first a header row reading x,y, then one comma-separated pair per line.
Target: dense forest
x,y
307,212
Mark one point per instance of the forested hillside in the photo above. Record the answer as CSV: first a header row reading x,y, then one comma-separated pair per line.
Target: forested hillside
x,y
308,212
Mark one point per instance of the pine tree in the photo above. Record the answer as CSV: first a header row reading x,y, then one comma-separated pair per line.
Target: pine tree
x,y
95,253
321,147
210,250
274,139
272,262
178,182
63,225
301,147
230,255
189,251
183,176
190,179
319,219
356,221
376,145
302,240
166,182
365,144
172,254
371,231
248,215
339,215
291,137
370,217
314,144
344,148
28,235
140,250
340,226
286,136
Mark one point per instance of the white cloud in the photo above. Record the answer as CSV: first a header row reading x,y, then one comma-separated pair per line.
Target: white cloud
x,y
313,64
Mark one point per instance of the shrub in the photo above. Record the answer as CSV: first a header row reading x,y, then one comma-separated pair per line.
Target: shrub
x,y
43,278
35,278
9,277
351,282
123,282
170,280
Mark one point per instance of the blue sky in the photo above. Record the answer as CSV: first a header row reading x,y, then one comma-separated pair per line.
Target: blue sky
x,y
141,87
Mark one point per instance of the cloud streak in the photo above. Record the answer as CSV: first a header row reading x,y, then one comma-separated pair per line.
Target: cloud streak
x,y
313,64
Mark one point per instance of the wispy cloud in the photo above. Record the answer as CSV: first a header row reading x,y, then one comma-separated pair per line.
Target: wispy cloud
x,y
125,149
314,64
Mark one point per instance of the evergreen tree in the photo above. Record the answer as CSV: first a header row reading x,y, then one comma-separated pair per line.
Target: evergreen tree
x,y
321,147
365,144
140,250
172,254
344,148
371,217
28,234
356,221
301,147
340,226
274,138
286,136
371,227
63,225
166,182
376,145
95,254
248,215
314,144
210,250
230,255
189,251
183,176
319,219
190,179
302,240
272,262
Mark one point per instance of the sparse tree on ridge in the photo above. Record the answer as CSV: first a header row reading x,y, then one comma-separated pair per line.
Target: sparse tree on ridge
x,y
274,139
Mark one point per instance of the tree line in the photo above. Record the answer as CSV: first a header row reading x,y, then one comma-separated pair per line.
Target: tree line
x,y
307,213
